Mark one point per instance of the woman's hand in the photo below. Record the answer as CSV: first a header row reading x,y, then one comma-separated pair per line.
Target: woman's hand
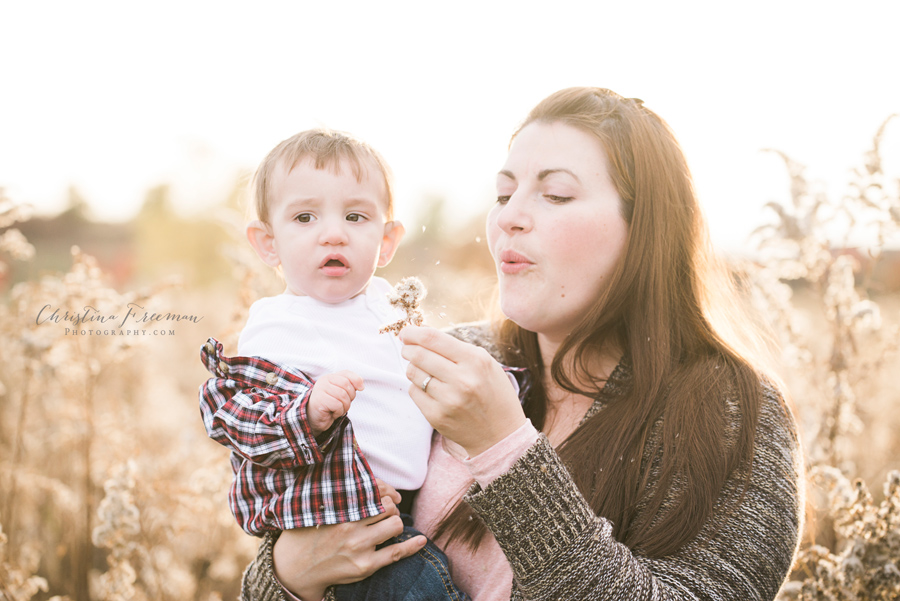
x,y
469,398
309,560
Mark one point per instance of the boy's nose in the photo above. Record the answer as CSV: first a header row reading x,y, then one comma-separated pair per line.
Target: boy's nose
x,y
334,233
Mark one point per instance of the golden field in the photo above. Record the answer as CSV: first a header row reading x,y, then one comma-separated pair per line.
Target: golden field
x,y
110,489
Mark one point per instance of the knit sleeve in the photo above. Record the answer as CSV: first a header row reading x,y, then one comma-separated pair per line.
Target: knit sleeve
x,y
259,582
559,549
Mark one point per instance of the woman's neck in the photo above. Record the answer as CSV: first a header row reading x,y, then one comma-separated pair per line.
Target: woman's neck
x,y
548,348
601,365
566,409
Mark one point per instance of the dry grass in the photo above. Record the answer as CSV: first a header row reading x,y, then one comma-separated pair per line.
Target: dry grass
x,y
109,488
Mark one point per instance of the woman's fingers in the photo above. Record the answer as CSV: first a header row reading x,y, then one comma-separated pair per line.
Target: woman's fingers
x,y
426,361
385,529
307,560
418,377
435,341
394,553
441,356
469,373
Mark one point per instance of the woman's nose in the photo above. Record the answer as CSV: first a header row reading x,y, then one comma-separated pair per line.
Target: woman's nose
x,y
516,215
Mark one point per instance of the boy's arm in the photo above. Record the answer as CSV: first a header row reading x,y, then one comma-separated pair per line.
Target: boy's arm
x,y
258,410
330,400
261,426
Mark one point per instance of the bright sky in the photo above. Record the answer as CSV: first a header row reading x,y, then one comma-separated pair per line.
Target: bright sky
x,y
117,97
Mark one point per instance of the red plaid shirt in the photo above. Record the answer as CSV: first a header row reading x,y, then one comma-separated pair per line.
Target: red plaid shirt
x,y
284,478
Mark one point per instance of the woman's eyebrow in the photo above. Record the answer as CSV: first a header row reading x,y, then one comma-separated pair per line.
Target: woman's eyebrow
x,y
548,172
542,175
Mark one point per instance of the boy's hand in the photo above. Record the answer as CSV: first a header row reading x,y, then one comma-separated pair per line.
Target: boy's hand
x,y
330,399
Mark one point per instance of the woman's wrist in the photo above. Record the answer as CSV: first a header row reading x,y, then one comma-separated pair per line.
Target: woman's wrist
x,y
499,433
294,591
495,461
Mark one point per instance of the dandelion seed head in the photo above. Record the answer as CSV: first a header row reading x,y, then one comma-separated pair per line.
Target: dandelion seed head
x,y
406,295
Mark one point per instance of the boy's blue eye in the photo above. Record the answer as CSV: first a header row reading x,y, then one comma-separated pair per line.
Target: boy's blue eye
x,y
304,217
355,217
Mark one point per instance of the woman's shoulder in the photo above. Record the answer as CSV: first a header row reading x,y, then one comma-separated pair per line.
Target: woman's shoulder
x,y
776,431
479,333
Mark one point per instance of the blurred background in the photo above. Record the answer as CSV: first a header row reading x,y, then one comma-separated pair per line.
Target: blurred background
x,y
127,136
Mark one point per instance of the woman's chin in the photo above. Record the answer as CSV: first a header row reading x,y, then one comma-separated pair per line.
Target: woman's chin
x,y
524,317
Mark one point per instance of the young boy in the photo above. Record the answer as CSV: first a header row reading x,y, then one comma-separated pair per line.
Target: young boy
x,y
313,357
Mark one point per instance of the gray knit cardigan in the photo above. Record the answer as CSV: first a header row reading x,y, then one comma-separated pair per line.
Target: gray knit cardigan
x,y
560,550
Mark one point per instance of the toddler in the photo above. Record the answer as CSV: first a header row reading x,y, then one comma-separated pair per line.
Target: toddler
x,y
312,362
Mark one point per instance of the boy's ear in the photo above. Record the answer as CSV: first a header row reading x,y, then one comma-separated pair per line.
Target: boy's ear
x,y
263,242
393,234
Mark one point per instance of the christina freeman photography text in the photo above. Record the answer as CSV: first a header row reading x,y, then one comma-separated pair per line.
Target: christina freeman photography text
x,y
115,324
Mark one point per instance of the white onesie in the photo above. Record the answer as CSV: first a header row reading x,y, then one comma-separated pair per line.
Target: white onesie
x,y
319,338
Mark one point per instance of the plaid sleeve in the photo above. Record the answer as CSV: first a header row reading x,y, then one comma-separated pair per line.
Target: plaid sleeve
x,y
258,410
283,478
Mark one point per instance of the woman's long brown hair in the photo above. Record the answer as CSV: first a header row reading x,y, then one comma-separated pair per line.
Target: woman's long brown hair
x,y
657,311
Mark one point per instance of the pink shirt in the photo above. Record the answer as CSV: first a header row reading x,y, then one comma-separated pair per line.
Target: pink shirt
x,y
484,575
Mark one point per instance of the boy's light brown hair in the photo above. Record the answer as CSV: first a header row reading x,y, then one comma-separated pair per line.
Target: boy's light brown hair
x,y
327,148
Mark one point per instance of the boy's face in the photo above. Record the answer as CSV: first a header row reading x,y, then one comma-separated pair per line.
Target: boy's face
x,y
327,230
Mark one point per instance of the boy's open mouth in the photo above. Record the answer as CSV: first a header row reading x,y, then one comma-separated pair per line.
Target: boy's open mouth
x,y
334,265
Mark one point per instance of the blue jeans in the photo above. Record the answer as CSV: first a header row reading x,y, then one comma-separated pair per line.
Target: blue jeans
x,y
424,576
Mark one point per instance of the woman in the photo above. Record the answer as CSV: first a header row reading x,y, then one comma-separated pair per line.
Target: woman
x,y
651,459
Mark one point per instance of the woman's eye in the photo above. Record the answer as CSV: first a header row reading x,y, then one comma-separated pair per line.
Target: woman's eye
x,y
355,217
558,199
503,199
304,217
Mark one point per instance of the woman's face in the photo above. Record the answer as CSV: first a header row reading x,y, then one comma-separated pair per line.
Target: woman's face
x,y
556,232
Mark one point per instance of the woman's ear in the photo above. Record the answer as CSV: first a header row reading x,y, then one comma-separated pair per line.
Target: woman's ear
x,y
393,234
263,242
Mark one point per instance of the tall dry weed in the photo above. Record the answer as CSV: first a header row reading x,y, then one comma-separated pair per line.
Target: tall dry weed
x,y
865,566
813,284
103,495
